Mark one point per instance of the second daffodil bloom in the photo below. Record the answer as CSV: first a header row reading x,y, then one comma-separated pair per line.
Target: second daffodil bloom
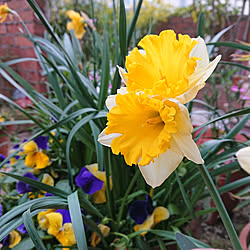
x,y
4,10
77,23
93,182
150,132
145,215
243,157
35,153
169,67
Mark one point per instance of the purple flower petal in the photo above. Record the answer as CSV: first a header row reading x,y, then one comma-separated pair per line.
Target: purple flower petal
x,y
22,229
16,146
6,241
22,187
65,214
140,210
2,157
49,194
88,182
42,142
1,210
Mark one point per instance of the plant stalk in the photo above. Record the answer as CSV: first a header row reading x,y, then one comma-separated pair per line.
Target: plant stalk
x,y
220,207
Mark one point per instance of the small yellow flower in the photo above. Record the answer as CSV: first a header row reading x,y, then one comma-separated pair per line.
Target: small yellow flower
x,y
4,10
159,214
1,118
15,238
35,157
47,179
99,196
63,232
95,238
243,157
43,220
77,23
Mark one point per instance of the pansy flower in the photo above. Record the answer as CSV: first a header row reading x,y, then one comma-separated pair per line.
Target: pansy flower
x,y
95,238
243,157
12,239
93,182
43,220
168,67
22,187
1,210
13,160
35,153
2,158
21,229
63,232
48,180
145,215
77,23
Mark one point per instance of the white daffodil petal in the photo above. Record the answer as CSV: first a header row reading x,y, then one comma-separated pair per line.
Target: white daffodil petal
x,y
158,171
187,146
122,73
107,139
243,157
200,50
197,81
110,101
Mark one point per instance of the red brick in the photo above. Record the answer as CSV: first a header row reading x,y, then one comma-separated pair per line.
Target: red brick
x,y
29,65
27,15
34,77
18,4
3,53
13,28
23,41
28,52
7,40
2,28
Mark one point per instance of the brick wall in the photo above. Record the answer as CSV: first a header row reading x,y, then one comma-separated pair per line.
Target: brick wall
x,y
14,45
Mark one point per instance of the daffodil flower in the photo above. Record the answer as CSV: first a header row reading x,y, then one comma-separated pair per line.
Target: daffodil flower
x,y
93,182
243,157
77,23
95,238
62,231
4,11
35,153
150,132
145,215
168,67
12,239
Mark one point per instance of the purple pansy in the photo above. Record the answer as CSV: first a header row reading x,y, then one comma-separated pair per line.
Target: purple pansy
x,y
42,142
2,157
88,182
49,194
1,210
6,241
22,187
22,229
140,210
65,214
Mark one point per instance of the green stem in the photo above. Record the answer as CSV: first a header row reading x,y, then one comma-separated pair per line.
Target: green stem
x,y
131,184
220,207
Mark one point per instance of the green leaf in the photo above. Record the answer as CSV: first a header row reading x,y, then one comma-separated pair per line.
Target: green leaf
x,y
76,217
27,219
200,25
231,45
235,184
105,72
184,243
123,29
37,184
235,64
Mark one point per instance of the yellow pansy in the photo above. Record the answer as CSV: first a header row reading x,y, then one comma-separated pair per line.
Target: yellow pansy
x,y
159,214
63,232
4,10
95,238
243,157
168,67
77,23
15,238
1,118
35,156
150,132
99,196
43,220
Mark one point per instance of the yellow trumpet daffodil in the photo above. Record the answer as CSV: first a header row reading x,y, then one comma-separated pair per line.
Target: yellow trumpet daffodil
x,y
77,23
4,10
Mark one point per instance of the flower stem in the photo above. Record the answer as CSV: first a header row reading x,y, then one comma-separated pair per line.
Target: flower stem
x,y
220,207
